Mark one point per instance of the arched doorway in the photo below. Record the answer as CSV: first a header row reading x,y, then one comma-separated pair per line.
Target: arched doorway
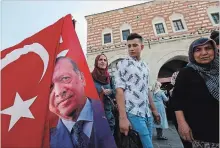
x,y
112,66
167,70
112,69
170,67
164,76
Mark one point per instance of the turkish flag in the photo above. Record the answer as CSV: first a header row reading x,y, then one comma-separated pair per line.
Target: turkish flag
x,y
26,73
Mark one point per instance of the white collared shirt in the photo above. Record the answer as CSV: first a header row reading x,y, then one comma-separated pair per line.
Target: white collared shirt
x,y
87,115
133,76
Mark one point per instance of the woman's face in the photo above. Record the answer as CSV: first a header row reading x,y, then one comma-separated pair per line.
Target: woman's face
x,y
204,54
102,62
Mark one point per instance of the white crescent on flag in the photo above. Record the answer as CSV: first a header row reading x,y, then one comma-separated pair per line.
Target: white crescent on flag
x,y
17,53
63,53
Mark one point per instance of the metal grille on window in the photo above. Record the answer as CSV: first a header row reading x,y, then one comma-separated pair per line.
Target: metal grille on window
x,y
215,17
107,38
159,28
178,25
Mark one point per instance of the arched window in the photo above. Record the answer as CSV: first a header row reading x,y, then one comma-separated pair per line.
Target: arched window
x,y
178,23
159,26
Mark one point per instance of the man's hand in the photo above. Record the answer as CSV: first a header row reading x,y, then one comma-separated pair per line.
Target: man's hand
x,y
124,125
185,131
156,116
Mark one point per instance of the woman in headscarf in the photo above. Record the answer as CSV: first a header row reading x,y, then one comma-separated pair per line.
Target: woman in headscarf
x,y
101,79
196,96
158,98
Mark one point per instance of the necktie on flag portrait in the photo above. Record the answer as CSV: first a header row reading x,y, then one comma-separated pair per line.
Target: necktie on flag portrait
x,y
26,73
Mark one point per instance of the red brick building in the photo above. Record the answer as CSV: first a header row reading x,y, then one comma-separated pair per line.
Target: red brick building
x,y
168,27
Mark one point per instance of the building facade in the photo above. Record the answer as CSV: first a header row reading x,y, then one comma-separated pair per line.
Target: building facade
x,y
168,28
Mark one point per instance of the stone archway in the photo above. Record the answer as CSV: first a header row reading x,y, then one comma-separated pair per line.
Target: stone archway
x,y
115,58
175,55
170,67
112,69
164,76
112,66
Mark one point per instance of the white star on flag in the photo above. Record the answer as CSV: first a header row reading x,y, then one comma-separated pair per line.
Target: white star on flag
x,y
19,109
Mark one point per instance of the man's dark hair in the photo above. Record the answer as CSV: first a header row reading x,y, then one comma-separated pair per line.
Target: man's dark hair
x,y
215,36
135,36
75,67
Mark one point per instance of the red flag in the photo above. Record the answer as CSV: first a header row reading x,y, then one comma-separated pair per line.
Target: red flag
x,y
26,77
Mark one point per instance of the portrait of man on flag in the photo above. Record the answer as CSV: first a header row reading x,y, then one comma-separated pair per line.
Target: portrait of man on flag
x,y
82,122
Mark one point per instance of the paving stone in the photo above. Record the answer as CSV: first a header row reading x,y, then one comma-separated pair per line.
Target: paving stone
x,y
173,138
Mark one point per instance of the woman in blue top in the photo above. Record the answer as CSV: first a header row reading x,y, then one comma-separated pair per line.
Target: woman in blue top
x,y
102,83
159,97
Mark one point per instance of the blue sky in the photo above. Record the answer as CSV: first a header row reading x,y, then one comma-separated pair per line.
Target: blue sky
x,y
21,19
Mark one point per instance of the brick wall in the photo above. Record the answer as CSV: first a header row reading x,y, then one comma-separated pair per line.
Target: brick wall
x,y
140,18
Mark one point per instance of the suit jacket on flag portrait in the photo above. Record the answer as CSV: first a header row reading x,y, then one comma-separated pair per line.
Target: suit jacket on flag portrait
x,y
100,136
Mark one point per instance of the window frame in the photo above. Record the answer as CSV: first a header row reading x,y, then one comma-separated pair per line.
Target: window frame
x,y
108,36
176,25
175,17
211,10
104,32
158,28
159,20
123,27
213,17
123,35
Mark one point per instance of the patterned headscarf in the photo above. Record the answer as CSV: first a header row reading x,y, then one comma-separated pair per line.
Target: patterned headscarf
x,y
101,75
173,78
209,72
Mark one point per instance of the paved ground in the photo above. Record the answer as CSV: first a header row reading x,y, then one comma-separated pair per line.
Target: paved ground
x,y
173,139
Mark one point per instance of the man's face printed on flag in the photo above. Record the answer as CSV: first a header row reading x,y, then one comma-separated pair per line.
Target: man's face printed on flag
x,y
67,92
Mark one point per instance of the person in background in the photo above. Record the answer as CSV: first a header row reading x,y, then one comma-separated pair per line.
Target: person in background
x,y
158,98
195,98
101,79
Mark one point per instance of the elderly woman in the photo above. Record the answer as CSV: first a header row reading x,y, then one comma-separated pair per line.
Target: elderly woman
x,y
196,96
102,82
158,98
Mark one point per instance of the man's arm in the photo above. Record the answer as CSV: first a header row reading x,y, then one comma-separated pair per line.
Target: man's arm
x,y
121,102
120,85
124,123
